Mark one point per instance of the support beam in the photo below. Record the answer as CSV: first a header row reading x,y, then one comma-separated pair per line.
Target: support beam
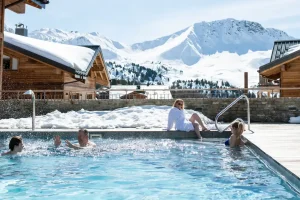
x,y
246,83
2,15
101,75
14,3
17,6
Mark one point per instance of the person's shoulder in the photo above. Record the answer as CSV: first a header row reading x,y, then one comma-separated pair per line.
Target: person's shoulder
x,y
92,144
174,109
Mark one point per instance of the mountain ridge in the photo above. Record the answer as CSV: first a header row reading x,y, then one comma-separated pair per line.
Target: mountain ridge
x,y
187,45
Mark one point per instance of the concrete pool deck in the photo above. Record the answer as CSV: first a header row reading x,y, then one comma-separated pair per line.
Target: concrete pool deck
x,y
277,144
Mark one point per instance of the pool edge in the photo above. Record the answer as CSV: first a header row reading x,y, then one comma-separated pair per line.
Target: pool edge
x,y
116,133
289,177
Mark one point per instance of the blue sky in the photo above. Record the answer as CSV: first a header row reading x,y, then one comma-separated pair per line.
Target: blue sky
x,y
139,20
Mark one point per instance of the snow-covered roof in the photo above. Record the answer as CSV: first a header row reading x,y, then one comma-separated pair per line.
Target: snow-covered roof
x,y
281,48
292,52
292,49
76,59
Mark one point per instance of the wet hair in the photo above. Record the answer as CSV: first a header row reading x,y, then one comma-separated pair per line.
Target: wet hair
x,y
176,101
16,140
86,132
239,126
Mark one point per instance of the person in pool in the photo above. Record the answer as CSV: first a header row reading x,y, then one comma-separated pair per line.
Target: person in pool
x,y
177,116
15,146
237,129
83,141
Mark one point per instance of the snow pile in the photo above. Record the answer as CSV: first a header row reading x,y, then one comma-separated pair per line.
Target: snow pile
x,y
294,120
75,57
144,117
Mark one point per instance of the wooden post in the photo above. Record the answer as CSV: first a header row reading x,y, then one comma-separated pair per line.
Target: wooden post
x,y
246,83
2,14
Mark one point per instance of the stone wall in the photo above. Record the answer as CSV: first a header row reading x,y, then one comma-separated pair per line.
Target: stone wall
x,y
262,110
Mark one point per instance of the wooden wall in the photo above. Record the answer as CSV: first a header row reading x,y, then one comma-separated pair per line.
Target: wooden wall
x,y
31,74
289,78
73,87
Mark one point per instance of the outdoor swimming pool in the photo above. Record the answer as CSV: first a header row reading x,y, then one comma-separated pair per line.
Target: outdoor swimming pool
x,y
138,169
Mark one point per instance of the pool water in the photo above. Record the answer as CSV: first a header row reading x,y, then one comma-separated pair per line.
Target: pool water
x,y
138,169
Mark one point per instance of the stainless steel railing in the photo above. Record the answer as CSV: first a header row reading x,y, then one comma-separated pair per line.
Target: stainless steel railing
x,y
239,119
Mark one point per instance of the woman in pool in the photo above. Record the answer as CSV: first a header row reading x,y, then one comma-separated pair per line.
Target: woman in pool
x,y
237,129
177,116
15,146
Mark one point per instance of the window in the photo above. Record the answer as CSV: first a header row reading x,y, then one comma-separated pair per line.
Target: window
x,y
10,64
89,96
75,96
6,62
15,63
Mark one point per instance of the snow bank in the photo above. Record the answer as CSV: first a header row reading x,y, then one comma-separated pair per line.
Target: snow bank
x,y
294,120
144,117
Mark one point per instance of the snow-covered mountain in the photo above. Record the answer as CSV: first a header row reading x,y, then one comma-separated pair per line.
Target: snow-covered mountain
x,y
8,29
187,45
111,49
206,38
218,50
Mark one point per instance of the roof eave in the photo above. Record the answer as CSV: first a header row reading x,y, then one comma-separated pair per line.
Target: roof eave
x,y
106,69
98,50
279,61
39,4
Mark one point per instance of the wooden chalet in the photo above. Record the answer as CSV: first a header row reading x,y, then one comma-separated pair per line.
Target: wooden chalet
x,y
283,69
70,72
17,6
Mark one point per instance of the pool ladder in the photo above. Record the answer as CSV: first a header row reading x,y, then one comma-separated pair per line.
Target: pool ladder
x,y
238,119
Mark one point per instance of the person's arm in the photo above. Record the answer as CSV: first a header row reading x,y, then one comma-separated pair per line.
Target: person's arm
x,y
170,120
57,141
232,141
242,143
7,153
69,144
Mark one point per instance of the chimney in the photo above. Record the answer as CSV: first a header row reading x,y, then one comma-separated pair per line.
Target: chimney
x,y
21,30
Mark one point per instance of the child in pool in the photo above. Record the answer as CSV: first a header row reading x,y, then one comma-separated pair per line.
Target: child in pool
x,y
237,129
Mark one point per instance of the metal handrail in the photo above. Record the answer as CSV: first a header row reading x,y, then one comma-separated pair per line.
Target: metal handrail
x,y
239,119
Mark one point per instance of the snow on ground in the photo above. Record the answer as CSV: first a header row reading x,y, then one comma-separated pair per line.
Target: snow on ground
x,y
143,117
140,117
294,120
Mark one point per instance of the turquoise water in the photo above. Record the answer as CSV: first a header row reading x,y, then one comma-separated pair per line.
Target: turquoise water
x,y
137,169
